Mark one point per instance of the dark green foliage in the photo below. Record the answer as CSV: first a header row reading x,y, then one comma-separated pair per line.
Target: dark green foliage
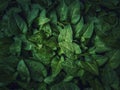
x,y
59,45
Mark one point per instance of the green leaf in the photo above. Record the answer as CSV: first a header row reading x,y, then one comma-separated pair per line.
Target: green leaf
x,y
101,27
51,43
32,14
28,45
6,74
78,27
65,86
4,46
77,48
23,70
89,31
21,24
3,4
42,86
56,65
100,47
8,25
15,48
37,70
88,66
81,73
110,4
63,11
43,54
38,37
70,67
11,61
23,1
110,78
100,59
74,9
114,59
53,17
96,84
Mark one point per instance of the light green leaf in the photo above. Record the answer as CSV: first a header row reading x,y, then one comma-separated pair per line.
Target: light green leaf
x,y
68,78
42,18
77,48
69,48
66,48
66,34
47,29
49,79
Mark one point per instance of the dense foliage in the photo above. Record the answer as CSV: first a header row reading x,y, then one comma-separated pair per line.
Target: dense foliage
x,y
59,45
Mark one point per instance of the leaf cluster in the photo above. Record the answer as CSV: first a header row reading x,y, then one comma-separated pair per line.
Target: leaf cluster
x,y
59,45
